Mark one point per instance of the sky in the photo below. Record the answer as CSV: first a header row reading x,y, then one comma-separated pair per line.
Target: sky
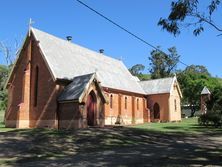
x,y
67,17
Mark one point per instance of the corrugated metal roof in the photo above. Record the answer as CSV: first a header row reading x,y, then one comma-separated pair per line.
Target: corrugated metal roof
x,y
67,60
158,86
75,89
205,91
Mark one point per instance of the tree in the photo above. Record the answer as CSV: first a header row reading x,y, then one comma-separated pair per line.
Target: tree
x,y
163,65
3,95
8,52
190,13
137,70
199,69
192,80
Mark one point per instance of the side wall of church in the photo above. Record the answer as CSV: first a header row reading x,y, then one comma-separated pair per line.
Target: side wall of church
x,y
125,109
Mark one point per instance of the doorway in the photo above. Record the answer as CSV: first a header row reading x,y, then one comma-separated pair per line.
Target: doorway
x,y
91,108
156,109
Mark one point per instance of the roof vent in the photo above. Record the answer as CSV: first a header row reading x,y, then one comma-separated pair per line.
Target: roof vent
x,y
69,38
101,51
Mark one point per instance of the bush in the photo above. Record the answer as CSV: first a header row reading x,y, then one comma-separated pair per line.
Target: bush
x,y
212,118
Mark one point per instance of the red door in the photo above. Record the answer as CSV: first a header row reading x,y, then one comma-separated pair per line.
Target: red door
x,y
91,104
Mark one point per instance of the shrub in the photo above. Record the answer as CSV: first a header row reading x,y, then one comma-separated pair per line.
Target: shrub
x,y
212,118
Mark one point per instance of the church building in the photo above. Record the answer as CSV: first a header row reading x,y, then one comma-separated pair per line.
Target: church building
x,y
57,84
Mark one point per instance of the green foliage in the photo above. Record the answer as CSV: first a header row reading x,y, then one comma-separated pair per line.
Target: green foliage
x,y
212,118
190,13
163,65
192,80
3,94
144,77
137,70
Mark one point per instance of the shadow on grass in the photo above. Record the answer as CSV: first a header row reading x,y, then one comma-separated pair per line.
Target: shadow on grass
x,y
107,147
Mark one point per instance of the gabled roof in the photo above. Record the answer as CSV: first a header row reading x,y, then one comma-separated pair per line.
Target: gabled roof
x,y
67,61
159,86
205,91
77,89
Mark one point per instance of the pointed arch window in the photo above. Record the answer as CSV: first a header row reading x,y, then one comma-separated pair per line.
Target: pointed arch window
x,y
111,101
125,102
175,105
137,104
36,85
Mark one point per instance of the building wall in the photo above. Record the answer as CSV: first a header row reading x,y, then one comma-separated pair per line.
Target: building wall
x,y
21,112
125,111
70,116
175,105
163,101
43,114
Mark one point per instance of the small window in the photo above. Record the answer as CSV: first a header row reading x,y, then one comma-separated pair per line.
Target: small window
x,y
125,102
137,104
111,101
175,105
36,85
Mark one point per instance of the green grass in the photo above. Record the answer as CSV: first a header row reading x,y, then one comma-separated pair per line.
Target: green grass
x,y
2,125
188,126
1,118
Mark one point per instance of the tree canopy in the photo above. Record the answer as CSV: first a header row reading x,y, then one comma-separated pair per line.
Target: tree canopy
x,y
192,80
163,65
191,13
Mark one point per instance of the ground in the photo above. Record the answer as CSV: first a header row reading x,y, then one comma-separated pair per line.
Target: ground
x,y
155,144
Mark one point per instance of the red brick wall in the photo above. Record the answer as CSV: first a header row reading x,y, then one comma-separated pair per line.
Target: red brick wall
x,y
44,113
70,116
129,114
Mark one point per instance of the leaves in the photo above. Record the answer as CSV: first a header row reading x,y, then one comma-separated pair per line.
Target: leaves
x,y
3,94
161,64
213,6
183,11
137,69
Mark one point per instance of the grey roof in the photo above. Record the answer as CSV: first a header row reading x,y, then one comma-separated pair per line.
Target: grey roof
x,y
158,86
205,91
67,60
76,88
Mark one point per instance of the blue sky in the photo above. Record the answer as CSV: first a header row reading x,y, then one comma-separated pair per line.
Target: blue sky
x,y
67,17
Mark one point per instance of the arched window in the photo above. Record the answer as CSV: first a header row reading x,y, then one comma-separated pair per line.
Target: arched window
x,y
125,102
175,105
111,101
137,103
36,85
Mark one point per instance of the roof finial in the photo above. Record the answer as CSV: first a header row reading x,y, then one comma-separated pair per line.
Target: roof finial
x,y
30,25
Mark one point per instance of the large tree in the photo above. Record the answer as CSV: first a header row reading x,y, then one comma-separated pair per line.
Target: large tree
x,y
163,65
191,13
192,80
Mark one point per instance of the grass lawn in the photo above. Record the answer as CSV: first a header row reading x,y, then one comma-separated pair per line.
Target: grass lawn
x,y
186,126
153,144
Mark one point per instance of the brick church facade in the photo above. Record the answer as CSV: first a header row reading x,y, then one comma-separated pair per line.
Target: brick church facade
x,y
57,84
